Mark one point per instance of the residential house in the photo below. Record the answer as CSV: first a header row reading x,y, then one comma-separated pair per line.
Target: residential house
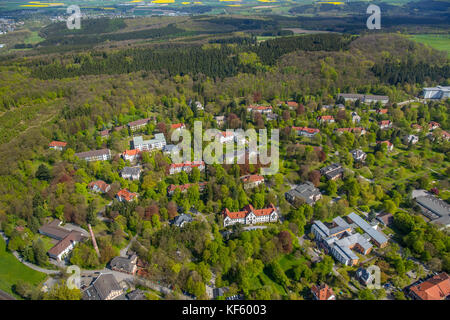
x,y
157,143
325,119
306,192
225,137
104,133
416,127
99,186
389,144
171,148
186,166
126,195
333,171
131,155
57,145
138,124
177,126
252,181
105,287
184,187
358,155
382,111
435,288
322,292
220,120
125,264
305,131
410,139
250,215
95,155
132,173
445,135
181,220
385,124
385,218
432,125
359,130
355,117
260,109
292,105
436,93
364,276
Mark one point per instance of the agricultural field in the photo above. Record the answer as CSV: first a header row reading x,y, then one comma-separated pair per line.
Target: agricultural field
x,y
11,271
437,41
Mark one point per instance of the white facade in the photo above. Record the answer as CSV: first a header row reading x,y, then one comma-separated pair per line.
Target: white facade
x,y
147,145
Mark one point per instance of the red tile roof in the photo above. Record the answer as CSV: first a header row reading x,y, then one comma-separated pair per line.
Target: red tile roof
x,y
384,122
247,209
252,178
306,129
57,144
435,288
253,107
382,111
325,118
433,124
187,164
132,152
138,122
127,195
357,129
292,104
177,125
322,292
102,185
184,187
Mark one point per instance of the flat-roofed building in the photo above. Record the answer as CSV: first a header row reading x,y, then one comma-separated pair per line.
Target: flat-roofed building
x,y
157,143
95,155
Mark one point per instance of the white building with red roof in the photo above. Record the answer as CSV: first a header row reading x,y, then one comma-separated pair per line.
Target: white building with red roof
x,y
186,166
260,109
252,180
305,131
250,215
125,195
99,186
325,119
57,145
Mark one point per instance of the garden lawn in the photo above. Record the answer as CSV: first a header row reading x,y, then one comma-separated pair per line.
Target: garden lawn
x,y
11,271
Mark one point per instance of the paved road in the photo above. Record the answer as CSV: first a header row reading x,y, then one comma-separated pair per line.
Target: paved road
x,y
5,296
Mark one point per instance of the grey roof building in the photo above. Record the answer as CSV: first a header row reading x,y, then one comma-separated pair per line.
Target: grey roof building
x,y
133,173
182,219
95,155
306,191
378,237
105,287
437,210
358,155
333,171
124,264
136,295
363,275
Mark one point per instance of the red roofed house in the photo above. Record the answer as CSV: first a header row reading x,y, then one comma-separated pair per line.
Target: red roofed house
x,y
57,145
323,292
184,187
416,127
225,136
433,125
105,133
292,104
250,215
305,131
186,166
359,130
260,109
177,126
435,288
382,111
327,119
125,195
63,247
131,154
99,186
252,181
138,124
390,146
385,124
445,135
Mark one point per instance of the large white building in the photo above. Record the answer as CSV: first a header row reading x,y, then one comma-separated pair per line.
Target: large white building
x,y
250,215
438,92
147,145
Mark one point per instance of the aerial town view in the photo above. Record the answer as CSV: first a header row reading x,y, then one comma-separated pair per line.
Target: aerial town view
x,y
233,150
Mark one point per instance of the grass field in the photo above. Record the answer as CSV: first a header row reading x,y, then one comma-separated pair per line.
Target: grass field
x,y
437,41
11,271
